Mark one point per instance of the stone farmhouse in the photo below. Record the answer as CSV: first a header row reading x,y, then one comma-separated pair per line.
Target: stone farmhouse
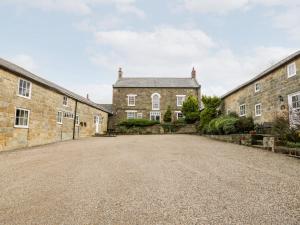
x,y
149,98
274,92
34,111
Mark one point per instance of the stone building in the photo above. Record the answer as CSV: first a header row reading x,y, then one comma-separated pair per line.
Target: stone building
x,y
274,92
150,97
34,111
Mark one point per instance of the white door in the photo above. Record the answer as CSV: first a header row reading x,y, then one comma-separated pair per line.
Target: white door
x,y
97,120
294,108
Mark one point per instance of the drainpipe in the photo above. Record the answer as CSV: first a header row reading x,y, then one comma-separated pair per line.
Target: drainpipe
x,y
74,122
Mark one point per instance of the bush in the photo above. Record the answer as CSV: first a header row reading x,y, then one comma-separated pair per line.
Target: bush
x,y
229,125
212,129
245,124
192,117
293,145
168,115
190,105
138,123
211,106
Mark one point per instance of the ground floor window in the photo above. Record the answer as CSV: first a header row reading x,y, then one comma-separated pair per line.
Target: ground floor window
x,y
77,120
258,109
22,118
140,115
155,116
242,110
131,115
179,115
294,108
59,118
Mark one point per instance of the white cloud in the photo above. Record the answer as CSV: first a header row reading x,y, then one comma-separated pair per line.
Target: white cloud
x,y
25,61
173,52
78,6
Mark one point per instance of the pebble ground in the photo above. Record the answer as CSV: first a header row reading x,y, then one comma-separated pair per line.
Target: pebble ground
x,y
140,180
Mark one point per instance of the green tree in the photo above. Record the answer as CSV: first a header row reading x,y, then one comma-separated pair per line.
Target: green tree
x,y
210,112
190,109
168,115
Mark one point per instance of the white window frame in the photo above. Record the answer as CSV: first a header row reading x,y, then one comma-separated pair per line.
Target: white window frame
x,y
77,120
293,111
128,99
180,96
256,111
155,113
131,111
22,126
61,117
255,89
177,112
243,105
67,100
152,96
30,86
289,66
139,115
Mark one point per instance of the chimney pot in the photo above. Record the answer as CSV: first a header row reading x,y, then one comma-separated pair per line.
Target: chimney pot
x,y
120,73
194,73
87,97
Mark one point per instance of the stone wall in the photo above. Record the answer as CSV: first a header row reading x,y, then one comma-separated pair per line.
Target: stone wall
x,y
43,105
244,139
144,101
273,85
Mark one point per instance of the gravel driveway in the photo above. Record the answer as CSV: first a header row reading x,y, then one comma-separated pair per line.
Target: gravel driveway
x,y
130,180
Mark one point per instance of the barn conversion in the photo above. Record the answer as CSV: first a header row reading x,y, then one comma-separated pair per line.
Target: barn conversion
x,y
34,111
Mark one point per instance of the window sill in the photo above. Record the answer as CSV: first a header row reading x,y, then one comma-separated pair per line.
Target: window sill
x,y
24,96
21,127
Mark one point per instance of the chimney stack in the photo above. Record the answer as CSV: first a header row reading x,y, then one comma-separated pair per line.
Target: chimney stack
x,y
87,97
120,73
194,73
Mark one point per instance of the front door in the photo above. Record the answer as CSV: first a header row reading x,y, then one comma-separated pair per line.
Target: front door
x,y
294,108
97,121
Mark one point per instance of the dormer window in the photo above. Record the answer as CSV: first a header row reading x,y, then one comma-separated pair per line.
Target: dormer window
x,y
155,101
131,100
291,70
257,87
65,101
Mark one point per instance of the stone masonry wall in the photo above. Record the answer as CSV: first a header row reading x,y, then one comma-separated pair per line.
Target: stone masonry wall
x,y
43,105
273,85
144,101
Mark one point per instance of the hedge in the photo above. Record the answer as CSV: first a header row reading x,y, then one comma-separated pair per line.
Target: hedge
x,y
138,123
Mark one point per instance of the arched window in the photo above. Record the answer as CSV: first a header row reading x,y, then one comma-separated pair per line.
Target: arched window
x,y
155,101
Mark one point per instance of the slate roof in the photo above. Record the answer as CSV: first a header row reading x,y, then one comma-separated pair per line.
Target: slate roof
x,y
30,76
156,82
264,73
108,107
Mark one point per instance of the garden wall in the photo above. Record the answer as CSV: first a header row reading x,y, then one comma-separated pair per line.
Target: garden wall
x,y
244,139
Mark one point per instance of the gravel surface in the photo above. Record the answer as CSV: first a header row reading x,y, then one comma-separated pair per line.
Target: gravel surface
x,y
130,180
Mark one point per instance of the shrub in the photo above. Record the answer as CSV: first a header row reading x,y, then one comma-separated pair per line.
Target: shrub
x,y
190,105
192,117
245,124
211,105
138,123
229,125
168,115
212,127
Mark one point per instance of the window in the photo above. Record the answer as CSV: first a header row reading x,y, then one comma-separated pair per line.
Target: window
x,y
77,122
294,108
155,116
131,114
131,100
291,69
22,118
59,118
228,111
96,119
296,101
24,88
140,115
257,87
242,110
155,101
179,115
180,99
65,101
258,109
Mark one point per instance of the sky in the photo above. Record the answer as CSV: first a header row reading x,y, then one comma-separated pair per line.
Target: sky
x,y
80,44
